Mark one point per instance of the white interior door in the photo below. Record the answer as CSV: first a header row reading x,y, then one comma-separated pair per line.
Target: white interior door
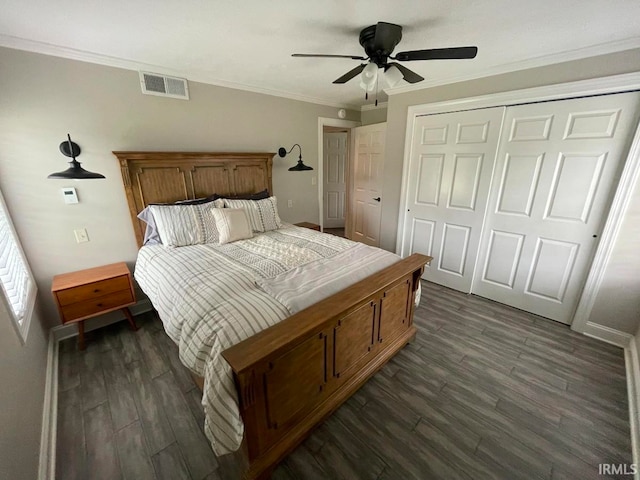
x,y
367,183
452,158
335,151
556,168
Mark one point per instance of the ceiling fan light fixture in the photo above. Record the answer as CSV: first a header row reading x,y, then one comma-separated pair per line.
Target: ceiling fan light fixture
x,y
369,77
392,76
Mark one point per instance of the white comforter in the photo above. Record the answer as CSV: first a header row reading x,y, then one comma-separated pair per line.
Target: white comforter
x,y
208,300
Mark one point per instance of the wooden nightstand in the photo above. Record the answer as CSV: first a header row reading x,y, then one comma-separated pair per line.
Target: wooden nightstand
x,y
311,226
87,293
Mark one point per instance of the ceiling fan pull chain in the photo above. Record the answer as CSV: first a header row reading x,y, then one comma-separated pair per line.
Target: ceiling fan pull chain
x,y
377,88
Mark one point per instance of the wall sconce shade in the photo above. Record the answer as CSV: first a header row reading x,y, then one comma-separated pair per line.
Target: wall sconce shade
x,y
75,171
298,167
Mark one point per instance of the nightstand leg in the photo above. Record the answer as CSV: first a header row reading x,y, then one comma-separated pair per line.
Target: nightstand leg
x,y
132,322
81,335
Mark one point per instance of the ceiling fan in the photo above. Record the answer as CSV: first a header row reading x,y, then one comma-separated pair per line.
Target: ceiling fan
x,y
378,42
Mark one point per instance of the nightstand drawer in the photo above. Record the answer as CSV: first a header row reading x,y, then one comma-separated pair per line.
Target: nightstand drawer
x,y
87,308
92,290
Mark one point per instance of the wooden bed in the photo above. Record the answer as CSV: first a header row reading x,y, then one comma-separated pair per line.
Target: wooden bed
x,y
292,375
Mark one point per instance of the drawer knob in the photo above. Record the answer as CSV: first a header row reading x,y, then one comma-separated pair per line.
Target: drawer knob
x,y
96,290
99,305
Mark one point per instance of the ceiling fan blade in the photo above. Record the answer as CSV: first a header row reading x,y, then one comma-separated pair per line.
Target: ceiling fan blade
x,y
388,35
438,54
409,76
320,55
350,74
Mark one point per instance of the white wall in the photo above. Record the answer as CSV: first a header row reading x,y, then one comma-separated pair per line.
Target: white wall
x,y
104,110
376,115
22,376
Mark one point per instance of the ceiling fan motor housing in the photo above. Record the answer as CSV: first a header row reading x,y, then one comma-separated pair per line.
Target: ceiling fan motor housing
x,y
379,41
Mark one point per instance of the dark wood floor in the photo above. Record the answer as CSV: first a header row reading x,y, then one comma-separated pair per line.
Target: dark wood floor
x,y
485,391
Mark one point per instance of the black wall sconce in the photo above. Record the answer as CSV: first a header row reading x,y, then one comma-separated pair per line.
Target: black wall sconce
x,y
75,171
298,167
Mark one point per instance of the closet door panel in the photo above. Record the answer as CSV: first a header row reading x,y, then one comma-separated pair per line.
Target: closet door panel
x,y
555,175
452,158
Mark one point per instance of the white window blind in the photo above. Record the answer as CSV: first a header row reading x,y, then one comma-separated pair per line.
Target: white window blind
x,y
16,280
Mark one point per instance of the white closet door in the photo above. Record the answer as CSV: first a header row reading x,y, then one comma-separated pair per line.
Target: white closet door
x,y
557,165
452,158
367,183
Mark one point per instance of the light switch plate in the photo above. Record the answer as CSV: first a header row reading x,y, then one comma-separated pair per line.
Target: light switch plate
x,y
81,235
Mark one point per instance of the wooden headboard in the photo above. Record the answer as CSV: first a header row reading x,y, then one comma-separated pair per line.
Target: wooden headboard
x,y
165,177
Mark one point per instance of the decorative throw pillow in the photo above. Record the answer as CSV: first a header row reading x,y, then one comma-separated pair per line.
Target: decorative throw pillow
x,y
263,214
181,225
232,224
151,235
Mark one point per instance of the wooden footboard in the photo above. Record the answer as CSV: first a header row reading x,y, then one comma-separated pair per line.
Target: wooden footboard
x,y
292,375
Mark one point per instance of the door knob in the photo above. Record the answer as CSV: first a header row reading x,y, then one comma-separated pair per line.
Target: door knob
x,y
377,199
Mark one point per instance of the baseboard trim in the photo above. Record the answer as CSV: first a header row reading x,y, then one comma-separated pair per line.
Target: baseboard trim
x,y
632,363
48,436
47,466
607,334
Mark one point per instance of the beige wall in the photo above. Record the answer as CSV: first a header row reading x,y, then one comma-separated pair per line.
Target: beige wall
x,y
377,115
22,376
617,303
103,109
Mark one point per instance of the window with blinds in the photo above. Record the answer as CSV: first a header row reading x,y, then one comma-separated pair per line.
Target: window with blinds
x,y
18,287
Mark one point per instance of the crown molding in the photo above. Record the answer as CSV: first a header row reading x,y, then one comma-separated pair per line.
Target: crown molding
x,y
372,106
18,43
541,61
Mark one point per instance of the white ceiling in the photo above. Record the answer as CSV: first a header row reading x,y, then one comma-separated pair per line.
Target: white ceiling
x,y
248,44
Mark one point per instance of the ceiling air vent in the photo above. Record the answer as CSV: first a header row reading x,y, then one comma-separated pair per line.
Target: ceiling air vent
x,y
163,86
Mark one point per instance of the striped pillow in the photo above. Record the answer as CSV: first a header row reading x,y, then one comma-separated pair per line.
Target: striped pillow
x,y
181,225
263,214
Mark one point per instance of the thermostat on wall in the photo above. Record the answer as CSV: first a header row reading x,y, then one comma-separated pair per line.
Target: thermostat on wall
x,y
70,195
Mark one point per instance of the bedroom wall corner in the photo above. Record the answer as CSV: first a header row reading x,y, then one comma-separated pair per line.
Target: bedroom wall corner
x,y
632,361
22,376
103,109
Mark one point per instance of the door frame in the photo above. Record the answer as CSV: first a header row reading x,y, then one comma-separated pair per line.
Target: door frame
x,y
333,122
621,198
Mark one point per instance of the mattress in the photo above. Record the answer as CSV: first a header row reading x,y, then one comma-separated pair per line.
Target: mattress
x,y
208,300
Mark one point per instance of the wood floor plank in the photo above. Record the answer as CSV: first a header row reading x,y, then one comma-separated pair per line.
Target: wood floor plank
x,y
151,353
102,456
119,390
92,387
180,372
133,453
71,457
169,464
153,417
193,444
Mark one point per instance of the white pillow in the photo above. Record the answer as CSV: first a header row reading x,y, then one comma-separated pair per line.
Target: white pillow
x,y
263,214
180,225
232,224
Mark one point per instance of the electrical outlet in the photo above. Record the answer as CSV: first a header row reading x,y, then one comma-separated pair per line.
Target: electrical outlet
x,y
314,180
290,203
81,235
